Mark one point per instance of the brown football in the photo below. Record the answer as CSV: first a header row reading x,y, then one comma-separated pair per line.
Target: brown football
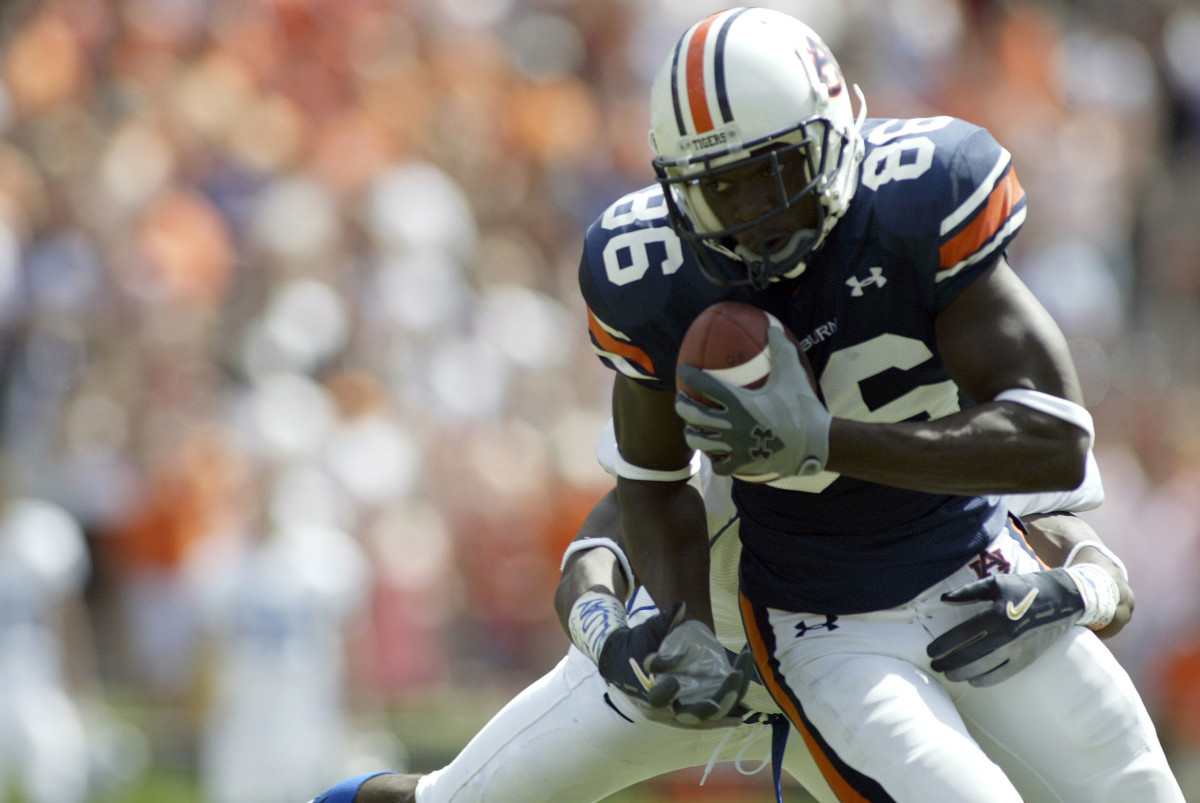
x,y
729,341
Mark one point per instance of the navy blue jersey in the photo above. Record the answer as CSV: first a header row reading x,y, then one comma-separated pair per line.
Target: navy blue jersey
x,y
937,203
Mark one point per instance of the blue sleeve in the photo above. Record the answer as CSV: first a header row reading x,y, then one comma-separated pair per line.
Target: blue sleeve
x,y
346,791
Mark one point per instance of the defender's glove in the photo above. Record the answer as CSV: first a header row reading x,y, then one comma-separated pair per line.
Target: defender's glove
x,y
675,671
630,658
1028,612
780,428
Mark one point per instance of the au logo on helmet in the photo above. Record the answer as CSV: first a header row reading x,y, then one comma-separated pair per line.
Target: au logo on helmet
x,y
827,67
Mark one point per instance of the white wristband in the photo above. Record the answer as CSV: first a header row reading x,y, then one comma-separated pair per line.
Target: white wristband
x,y
1103,550
594,616
1099,592
584,544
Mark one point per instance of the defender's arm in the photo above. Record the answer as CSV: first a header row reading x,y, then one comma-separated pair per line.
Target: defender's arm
x,y
1055,536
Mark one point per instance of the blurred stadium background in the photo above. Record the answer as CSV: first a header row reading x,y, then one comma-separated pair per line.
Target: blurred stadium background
x,y
297,405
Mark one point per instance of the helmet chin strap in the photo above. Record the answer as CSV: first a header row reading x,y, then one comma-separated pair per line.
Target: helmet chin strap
x,y
760,268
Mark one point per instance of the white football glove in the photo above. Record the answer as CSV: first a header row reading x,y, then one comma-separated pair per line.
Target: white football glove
x,y
780,428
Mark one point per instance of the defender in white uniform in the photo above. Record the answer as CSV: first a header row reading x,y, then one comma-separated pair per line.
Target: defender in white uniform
x,y
571,736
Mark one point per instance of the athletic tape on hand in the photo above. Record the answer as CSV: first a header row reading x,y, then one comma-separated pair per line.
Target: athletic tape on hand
x,y
1099,592
593,617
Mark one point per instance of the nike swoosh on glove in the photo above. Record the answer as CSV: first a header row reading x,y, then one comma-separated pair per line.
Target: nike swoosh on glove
x,y
630,659
1025,614
780,428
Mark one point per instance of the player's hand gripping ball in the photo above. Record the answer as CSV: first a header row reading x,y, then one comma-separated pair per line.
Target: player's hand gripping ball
x,y
749,397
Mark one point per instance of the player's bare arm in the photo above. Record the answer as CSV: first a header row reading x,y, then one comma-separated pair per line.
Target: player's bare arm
x,y
594,569
677,672
664,522
388,788
1055,536
994,337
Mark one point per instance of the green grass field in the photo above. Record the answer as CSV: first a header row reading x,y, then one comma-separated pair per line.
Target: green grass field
x,y
432,731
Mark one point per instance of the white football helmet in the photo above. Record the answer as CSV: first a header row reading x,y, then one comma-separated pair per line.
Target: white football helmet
x,y
747,86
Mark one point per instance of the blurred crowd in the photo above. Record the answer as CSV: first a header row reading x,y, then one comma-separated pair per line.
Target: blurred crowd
x,y
296,373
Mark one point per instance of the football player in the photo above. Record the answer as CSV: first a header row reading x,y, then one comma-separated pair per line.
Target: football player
x,y
572,736
881,244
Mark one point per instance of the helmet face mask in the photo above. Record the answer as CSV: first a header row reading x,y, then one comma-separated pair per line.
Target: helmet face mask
x,y
757,149
757,206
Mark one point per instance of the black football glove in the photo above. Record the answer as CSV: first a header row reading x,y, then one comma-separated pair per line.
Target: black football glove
x,y
1028,612
781,428
630,659
676,671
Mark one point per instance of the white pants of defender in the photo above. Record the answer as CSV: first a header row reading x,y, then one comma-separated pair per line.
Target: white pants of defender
x,y
1070,728
560,741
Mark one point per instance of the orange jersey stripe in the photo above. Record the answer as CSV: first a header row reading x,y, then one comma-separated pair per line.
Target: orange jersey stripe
x,y
1007,194
697,96
609,343
840,786
1022,535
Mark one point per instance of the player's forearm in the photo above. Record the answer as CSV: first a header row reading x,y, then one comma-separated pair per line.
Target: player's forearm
x,y
1052,536
666,540
995,448
594,570
388,788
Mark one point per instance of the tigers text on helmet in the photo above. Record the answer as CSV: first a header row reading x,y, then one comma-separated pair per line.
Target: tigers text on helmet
x,y
753,97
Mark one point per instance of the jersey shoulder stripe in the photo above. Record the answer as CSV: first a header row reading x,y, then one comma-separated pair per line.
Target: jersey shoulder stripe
x,y
615,350
938,193
985,222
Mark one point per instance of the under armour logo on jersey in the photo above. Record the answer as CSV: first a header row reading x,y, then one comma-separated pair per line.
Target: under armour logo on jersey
x,y
989,563
802,628
765,443
876,278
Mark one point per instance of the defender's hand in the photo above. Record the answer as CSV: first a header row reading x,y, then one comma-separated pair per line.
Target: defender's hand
x,y
781,428
1027,612
630,658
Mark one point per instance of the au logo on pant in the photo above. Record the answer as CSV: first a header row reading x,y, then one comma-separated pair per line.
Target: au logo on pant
x,y
989,563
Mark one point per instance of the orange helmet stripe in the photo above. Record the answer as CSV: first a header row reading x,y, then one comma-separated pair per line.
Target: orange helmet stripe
x,y
697,92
